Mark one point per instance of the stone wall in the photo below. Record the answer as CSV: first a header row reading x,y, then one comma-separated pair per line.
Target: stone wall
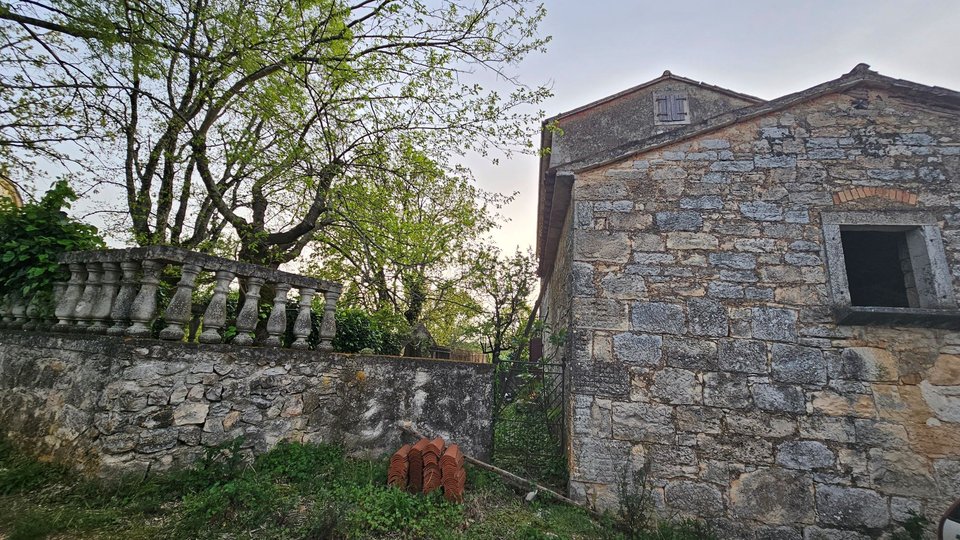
x,y
108,405
704,343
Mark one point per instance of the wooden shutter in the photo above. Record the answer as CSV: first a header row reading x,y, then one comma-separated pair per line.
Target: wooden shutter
x,y
679,110
663,109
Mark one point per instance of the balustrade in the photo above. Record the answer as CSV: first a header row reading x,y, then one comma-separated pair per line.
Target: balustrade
x,y
120,292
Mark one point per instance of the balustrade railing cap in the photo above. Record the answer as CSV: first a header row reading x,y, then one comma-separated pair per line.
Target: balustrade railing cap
x,y
175,255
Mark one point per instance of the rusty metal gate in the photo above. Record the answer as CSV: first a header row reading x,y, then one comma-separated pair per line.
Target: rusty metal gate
x,y
528,420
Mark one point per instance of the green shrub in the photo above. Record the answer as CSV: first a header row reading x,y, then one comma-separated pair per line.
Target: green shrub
x,y
19,473
383,332
294,462
32,237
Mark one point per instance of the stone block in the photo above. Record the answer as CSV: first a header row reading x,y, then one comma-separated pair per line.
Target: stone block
x,y
773,496
156,440
901,472
759,424
775,162
658,318
642,421
736,261
735,449
691,240
819,533
600,460
743,355
694,498
582,274
622,286
637,349
778,398
761,211
947,472
868,364
678,221
727,390
880,434
706,202
732,166
676,386
600,313
720,289
591,245
699,419
851,508
707,317
945,371
774,324
690,353
944,401
802,259
805,455
190,413
797,364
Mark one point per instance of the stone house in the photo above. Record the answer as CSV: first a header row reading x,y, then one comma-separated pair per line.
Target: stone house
x,y
759,301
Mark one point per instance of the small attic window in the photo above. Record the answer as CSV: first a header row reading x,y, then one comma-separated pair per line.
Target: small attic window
x,y
671,109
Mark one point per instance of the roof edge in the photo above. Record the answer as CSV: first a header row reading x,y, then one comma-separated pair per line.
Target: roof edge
x,y
667,75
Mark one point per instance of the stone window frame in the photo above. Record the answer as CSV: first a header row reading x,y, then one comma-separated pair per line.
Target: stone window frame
x,y
938,305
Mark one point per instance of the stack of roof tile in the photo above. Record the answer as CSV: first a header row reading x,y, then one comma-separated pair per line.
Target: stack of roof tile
x,y
454,477
399,467
428,465
431,465
415,471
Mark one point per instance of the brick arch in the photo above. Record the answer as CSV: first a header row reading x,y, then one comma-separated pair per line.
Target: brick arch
x,y
895,195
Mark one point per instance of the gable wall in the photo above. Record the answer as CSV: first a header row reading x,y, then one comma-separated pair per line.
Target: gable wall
x,y
703,342
603,127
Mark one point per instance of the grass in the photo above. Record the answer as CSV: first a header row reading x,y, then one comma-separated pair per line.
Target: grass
x,y
295,491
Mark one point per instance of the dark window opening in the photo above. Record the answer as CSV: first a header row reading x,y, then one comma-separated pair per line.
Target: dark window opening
x,y
879,269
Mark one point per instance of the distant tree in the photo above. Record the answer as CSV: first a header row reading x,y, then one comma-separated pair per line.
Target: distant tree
x,y
503,286
254,120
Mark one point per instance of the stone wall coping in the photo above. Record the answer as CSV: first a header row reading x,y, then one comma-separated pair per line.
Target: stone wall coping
x,y
267,355
175,255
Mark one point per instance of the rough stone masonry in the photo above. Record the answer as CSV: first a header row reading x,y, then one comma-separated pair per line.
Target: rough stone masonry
x,y
112,405
708,331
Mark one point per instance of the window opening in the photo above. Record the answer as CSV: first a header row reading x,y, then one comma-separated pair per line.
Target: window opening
x,y
879,268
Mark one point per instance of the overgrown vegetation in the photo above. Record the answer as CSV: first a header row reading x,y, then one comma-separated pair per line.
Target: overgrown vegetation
x,y
294,491
32,237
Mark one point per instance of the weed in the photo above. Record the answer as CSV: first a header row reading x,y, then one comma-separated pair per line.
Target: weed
x,y
913,527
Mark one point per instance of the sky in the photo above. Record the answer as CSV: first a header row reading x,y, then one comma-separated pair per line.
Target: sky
x,y
763,48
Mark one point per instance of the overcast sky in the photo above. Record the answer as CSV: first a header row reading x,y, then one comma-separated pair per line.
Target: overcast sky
x,y
763,48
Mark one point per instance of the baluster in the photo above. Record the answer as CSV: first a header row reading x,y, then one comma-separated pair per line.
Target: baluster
x,y
303,325
68,304
178,312
6,312
328,326
144,306
59,290
33,312
104,302
120,312
89,297
215,317
19,310
249,313
277,323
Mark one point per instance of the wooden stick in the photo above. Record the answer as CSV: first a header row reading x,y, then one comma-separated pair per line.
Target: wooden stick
x,y
511,478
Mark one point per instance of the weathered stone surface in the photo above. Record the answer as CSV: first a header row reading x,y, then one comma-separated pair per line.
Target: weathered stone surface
x,y
850,507
641,421
591,245
901,472
694,498
676,386
805,455
775,324
726,390
743,355
657,318
819,533
707,317
690,353
773,496
761,211
868,364
678,221
797,364
779,398
637,349
190,413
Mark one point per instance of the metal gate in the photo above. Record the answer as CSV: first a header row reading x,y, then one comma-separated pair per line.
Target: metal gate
x,y
528,420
